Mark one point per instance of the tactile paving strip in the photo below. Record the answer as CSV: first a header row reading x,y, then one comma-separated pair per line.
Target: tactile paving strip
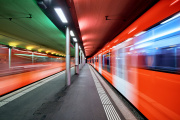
x,y
109,109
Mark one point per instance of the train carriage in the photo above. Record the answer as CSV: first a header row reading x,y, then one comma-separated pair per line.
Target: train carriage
x,y
144,66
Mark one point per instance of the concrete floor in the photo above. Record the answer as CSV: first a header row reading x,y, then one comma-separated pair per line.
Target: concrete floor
x,y
52,101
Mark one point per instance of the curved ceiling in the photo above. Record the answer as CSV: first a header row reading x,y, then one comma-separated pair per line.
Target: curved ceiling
x,y
96,29
38,32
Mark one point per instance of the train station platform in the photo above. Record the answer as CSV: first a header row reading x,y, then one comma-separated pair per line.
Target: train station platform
x,y
89,97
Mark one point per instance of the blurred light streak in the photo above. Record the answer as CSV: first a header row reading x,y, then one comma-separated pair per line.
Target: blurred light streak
x,y
159,35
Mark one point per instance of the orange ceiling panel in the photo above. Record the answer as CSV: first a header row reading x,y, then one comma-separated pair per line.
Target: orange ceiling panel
x,y
95,30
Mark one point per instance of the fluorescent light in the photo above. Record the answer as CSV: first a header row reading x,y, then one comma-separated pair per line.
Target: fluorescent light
x,y
132,30
140,33
75,40
177,15
61,15
115,41
129,39
174,2
71,33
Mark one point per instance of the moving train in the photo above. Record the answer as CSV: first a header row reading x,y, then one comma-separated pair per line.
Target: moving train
x,y
143,62
20,67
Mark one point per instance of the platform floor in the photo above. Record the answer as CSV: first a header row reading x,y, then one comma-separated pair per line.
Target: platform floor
x,y
85,99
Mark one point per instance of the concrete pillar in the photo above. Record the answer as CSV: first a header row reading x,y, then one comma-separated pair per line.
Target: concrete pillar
x,y
76,58
83,59
80,59
9,58
68,60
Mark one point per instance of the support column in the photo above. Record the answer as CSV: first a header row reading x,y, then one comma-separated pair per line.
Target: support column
x,y
81,56
80,59
9,58
68,62
83,59
76,58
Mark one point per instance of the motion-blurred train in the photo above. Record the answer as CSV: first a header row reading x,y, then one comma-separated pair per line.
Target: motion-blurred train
x,y
19,68
143,62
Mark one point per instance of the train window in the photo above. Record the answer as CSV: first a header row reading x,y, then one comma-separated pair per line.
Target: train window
x,y
150,61
178,59
165,59
103,61
4,58
108,61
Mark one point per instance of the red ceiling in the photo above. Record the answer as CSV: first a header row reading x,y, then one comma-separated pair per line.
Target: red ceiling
x,y
95,30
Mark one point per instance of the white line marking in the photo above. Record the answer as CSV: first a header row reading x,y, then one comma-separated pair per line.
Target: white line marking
x,y
2,103
119,103
109,109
